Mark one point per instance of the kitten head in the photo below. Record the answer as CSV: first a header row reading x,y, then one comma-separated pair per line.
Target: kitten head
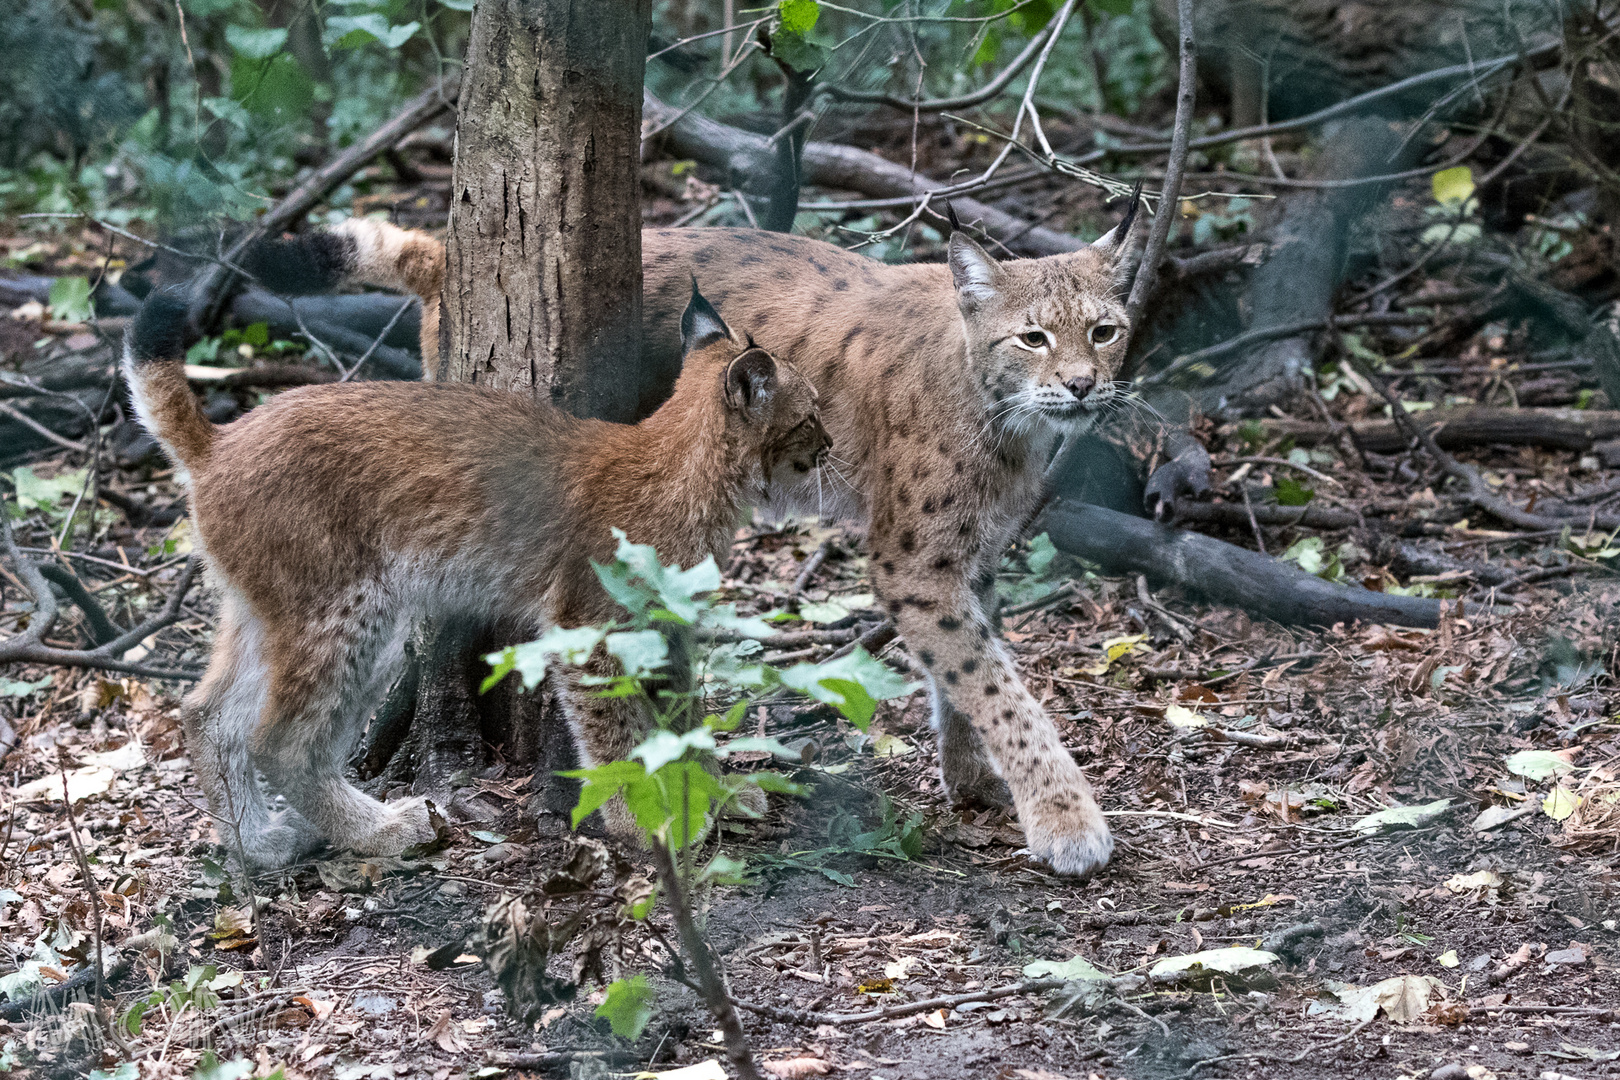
x,y
1046,337
770,408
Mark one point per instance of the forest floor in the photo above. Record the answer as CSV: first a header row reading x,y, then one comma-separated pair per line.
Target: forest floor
x,y
1239,761
1401,951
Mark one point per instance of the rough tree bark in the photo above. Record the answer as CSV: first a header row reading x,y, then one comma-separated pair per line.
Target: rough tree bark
x,y
543,295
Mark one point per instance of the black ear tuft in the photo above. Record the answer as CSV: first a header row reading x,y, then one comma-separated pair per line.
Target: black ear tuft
x,y
1115,240
701,325
750,379
950,212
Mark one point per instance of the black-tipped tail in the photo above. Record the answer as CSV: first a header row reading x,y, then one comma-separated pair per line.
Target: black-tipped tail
x,y
159,331
312,263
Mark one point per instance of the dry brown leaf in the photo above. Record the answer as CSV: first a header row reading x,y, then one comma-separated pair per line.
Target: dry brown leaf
x,y
445,1034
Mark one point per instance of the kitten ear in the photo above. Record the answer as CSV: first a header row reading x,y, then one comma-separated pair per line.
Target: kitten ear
x,y
1114,241
701,325
750,380
974,272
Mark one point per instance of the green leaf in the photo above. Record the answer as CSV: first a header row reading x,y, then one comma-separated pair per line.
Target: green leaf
x,y
529,659
627,1006
829,612
1041,553
211,1068
486,836
256,334
852,684
458,5
353,31
256,44
1072,969
1308,554
124,1070
15,688
70,299
601,783
1290,492
640,651
1408,817
798,52
798,16
662,747
724,870
46,493
277,89
1538,765
1453,187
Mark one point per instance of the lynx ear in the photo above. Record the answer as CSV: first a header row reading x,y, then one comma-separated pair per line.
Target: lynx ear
x,y
1113,242
750,380
701,325
974,272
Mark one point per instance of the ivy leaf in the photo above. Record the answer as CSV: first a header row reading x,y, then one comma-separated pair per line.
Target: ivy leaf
x,y
1453,187
254,44
797,52
627,1006
211,1068
529,659
353,31
798,16
70,299
1291,492
1041,553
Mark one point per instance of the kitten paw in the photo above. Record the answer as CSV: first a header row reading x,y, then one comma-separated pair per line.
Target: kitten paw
x,y
404,826
1068,833
749,804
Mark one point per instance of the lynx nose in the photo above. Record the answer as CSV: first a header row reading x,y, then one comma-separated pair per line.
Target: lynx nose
x,y
1080,386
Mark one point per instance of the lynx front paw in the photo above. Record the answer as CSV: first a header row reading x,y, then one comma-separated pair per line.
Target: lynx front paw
x,y
1068,833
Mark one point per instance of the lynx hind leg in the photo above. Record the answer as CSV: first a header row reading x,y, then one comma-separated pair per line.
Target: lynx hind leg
x,y
218,718
966,772
322,690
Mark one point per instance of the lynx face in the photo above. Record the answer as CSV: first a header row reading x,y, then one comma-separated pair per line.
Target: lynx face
x,y
1045,337
771,407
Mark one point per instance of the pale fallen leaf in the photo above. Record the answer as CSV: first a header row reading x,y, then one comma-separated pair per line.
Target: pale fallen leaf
x,y
1180,716
1409,817
81,784
901,968
703,1070
1404,998
1484,879
1039,1074
935,1019
1238,964
1577,953
1076,968
886,745
1560,803
1492,816
1116,649
1449,959
1541,764
796,1068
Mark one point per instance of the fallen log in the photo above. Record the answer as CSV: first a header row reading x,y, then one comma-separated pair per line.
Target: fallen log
x,y
1221,572
1556,429
845,168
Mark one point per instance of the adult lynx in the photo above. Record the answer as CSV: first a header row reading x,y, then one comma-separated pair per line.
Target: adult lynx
x,y
945,389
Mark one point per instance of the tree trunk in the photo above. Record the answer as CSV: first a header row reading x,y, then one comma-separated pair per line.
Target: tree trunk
x,y
543,295
544,285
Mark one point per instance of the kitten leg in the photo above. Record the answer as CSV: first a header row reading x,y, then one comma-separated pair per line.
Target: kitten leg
x,y
317,707
218,717
966,772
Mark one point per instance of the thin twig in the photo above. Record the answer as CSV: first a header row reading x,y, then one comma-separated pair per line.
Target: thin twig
x,y
40,429
1164,215
811,565
358,364
892,1012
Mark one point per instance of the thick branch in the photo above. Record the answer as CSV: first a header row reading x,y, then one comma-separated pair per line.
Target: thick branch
x,y
1222,572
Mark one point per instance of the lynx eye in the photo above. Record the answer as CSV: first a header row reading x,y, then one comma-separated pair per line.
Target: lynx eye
x,y
1035,339
1103,333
